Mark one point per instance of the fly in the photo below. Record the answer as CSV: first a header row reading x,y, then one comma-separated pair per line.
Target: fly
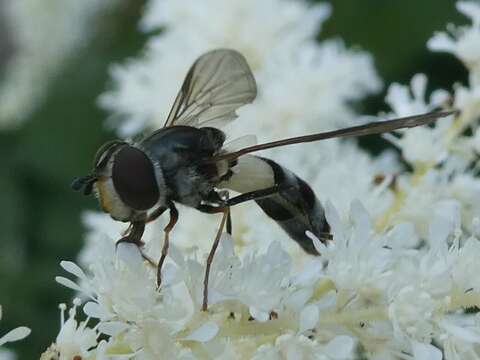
x,y
188,162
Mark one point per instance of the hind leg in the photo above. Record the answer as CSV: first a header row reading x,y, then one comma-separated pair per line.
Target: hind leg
x,y
226,212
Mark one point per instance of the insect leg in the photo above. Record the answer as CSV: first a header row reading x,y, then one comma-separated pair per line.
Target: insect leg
x,y
253,195
248,196
224,195
167,230
155,214
225,211
209,209
229,223
134,236
224,207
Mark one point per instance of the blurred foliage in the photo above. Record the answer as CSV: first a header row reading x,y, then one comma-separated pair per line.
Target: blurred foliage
x,y
41,215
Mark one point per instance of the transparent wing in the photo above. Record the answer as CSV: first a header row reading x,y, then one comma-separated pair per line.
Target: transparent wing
x,y
239,143
217,84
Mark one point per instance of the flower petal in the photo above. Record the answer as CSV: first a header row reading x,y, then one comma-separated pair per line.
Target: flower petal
x,y
334,221
423,351
259,315
94,310
308,318
68,283
16,334
204,333
73,268
341,347
130,254
112,328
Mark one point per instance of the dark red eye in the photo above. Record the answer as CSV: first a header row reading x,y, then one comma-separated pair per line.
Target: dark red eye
x,y
134,179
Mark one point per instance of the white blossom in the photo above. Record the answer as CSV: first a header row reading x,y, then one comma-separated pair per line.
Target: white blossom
x,y
421,144
441,156
364,289
462,41
287,63
244,294
74,339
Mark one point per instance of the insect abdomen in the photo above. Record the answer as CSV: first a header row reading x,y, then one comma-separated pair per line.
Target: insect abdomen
x,y
295,208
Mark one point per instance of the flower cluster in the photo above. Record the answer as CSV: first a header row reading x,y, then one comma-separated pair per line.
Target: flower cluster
x,y
74,339
443,158
366,292
300,80
16,334
398,281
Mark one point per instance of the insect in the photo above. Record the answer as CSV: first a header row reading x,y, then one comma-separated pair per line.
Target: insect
x,y
188,162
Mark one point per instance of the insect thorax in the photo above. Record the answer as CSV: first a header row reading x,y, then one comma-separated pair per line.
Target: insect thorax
x,y
180,152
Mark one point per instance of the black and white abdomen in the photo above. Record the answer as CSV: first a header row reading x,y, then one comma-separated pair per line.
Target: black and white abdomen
x,y
294,207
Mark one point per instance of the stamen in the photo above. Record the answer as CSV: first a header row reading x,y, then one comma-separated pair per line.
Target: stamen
x,y
62,308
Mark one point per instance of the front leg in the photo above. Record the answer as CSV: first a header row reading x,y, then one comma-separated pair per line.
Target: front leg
x,y
167,230
135,233
134,236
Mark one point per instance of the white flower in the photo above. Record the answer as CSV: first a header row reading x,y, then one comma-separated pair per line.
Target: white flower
x,y
468,99
466,266
389,297
462,41
292,347
441,156
316,80
355,261
260,281
256,291
421,144
426,307
461,337
404,101
411,312
215,17
146,87
74,339
308,90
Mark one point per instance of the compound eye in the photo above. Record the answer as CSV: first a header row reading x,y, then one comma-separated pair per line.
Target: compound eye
x,y
134,178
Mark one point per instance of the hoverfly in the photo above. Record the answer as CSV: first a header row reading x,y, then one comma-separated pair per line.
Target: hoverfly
x,y
187,162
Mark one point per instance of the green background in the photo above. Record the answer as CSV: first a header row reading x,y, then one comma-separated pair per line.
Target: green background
x,y
40,223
